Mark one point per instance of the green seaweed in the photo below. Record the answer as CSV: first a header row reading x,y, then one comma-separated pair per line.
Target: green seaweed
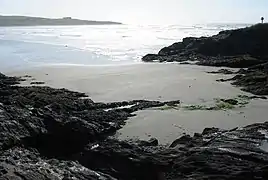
x,y
223,106
243,100
195,107
167,107
219,104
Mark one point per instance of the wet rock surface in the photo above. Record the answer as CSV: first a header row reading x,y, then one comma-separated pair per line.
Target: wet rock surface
x,y
240,48
253,80
52,134
37,82
222,71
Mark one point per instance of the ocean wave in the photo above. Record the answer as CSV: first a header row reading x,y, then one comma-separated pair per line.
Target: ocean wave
x,y
94,45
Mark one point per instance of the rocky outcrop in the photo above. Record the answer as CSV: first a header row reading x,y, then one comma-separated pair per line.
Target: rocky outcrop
x,y
253,79
219,154
233,48
56,134
24,164
240,48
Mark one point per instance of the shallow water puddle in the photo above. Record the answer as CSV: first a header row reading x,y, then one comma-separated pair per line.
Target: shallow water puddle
x,y
121,107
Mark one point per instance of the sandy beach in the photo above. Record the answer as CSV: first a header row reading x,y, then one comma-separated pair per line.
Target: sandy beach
x,y
188,83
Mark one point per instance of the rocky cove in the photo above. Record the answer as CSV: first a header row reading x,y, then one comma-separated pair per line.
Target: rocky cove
x,y
240,48
49,133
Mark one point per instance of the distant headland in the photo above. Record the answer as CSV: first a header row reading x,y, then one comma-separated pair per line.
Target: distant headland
x,y
38,21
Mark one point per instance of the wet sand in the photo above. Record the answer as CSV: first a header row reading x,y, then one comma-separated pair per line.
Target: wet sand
x,y
188,83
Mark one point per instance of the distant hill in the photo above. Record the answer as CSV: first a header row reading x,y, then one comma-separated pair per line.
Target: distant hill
x,y
37,21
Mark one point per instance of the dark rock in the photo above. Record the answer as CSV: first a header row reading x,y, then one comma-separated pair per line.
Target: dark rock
x,y
236,77
258,97
37,82
228,48
251,40
124,160
185,63
230,101
255,82
222,71
150,57
241,71
260,67
150,142
232,62
182,140
173,103
207,131
197,135
23,164
172,50
222,80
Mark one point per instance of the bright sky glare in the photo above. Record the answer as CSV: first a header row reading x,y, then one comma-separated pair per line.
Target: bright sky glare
x,y
143,11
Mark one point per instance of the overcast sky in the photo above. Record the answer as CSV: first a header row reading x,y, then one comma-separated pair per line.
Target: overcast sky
x,y
143,11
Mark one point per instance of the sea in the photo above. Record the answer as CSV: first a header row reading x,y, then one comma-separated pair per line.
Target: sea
x,y
102,45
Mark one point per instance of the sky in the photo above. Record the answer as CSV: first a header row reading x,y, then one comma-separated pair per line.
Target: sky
x,y
143,11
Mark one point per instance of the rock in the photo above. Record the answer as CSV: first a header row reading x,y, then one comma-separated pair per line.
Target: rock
x,y
153,142
172,50
238,61
222,71
182,140
124,160
249,40
260,67
255,82
233,48
37,82
150,57
241,71
185,63
230,101
150,142
173,103
207,131
197,135
258,97
222,80
19,163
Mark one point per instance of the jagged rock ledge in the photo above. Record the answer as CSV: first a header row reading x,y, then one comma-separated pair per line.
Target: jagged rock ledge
x,y
240,48
56,134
